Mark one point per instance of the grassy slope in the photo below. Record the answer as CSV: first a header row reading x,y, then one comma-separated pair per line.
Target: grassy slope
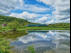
x,y
60,26
22,23
21,30
7,19
7,31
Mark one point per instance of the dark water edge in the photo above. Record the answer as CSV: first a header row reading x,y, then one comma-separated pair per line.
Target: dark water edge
x,y
12,34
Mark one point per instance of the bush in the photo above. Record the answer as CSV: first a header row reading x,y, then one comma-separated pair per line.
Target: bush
x,y
4,46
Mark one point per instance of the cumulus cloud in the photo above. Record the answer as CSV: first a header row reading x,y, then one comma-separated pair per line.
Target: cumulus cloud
x,y
62,8
38,13
6,6
25,15
34,8
33,17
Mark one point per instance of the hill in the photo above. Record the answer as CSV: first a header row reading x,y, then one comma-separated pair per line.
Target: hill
x,y
12,27
8,19
21,24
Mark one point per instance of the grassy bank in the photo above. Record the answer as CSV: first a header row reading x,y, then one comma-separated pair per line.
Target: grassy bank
x,y
15,27
4,46
46,28
58,26
12,27
12,34
20,24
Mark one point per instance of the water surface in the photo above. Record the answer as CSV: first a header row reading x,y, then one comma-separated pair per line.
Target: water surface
x,y
44,42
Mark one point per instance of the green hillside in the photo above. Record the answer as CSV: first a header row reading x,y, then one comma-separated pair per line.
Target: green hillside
x,y
7,20
11,30
13,22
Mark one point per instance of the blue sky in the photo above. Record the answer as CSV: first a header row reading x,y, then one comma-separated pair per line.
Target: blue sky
x,y
39,11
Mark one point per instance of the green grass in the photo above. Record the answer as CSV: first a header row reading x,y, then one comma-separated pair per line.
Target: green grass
x,y
57,26
20,25
4,46
22,30
13,22
45,28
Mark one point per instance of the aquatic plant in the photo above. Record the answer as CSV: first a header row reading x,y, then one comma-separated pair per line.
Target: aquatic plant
x,y
31,49
4,46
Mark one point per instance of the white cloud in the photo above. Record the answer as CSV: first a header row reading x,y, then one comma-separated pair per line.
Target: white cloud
x,y
34,8
38,18
8,5
62,8
43,18
24,14
21,2
33,17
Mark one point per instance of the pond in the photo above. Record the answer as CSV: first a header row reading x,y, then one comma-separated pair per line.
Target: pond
x,y
54,41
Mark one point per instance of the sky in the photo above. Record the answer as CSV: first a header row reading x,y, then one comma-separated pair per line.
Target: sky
x,y
37,11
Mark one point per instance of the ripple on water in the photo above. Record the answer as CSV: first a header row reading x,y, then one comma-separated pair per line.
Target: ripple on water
x,y
44,42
